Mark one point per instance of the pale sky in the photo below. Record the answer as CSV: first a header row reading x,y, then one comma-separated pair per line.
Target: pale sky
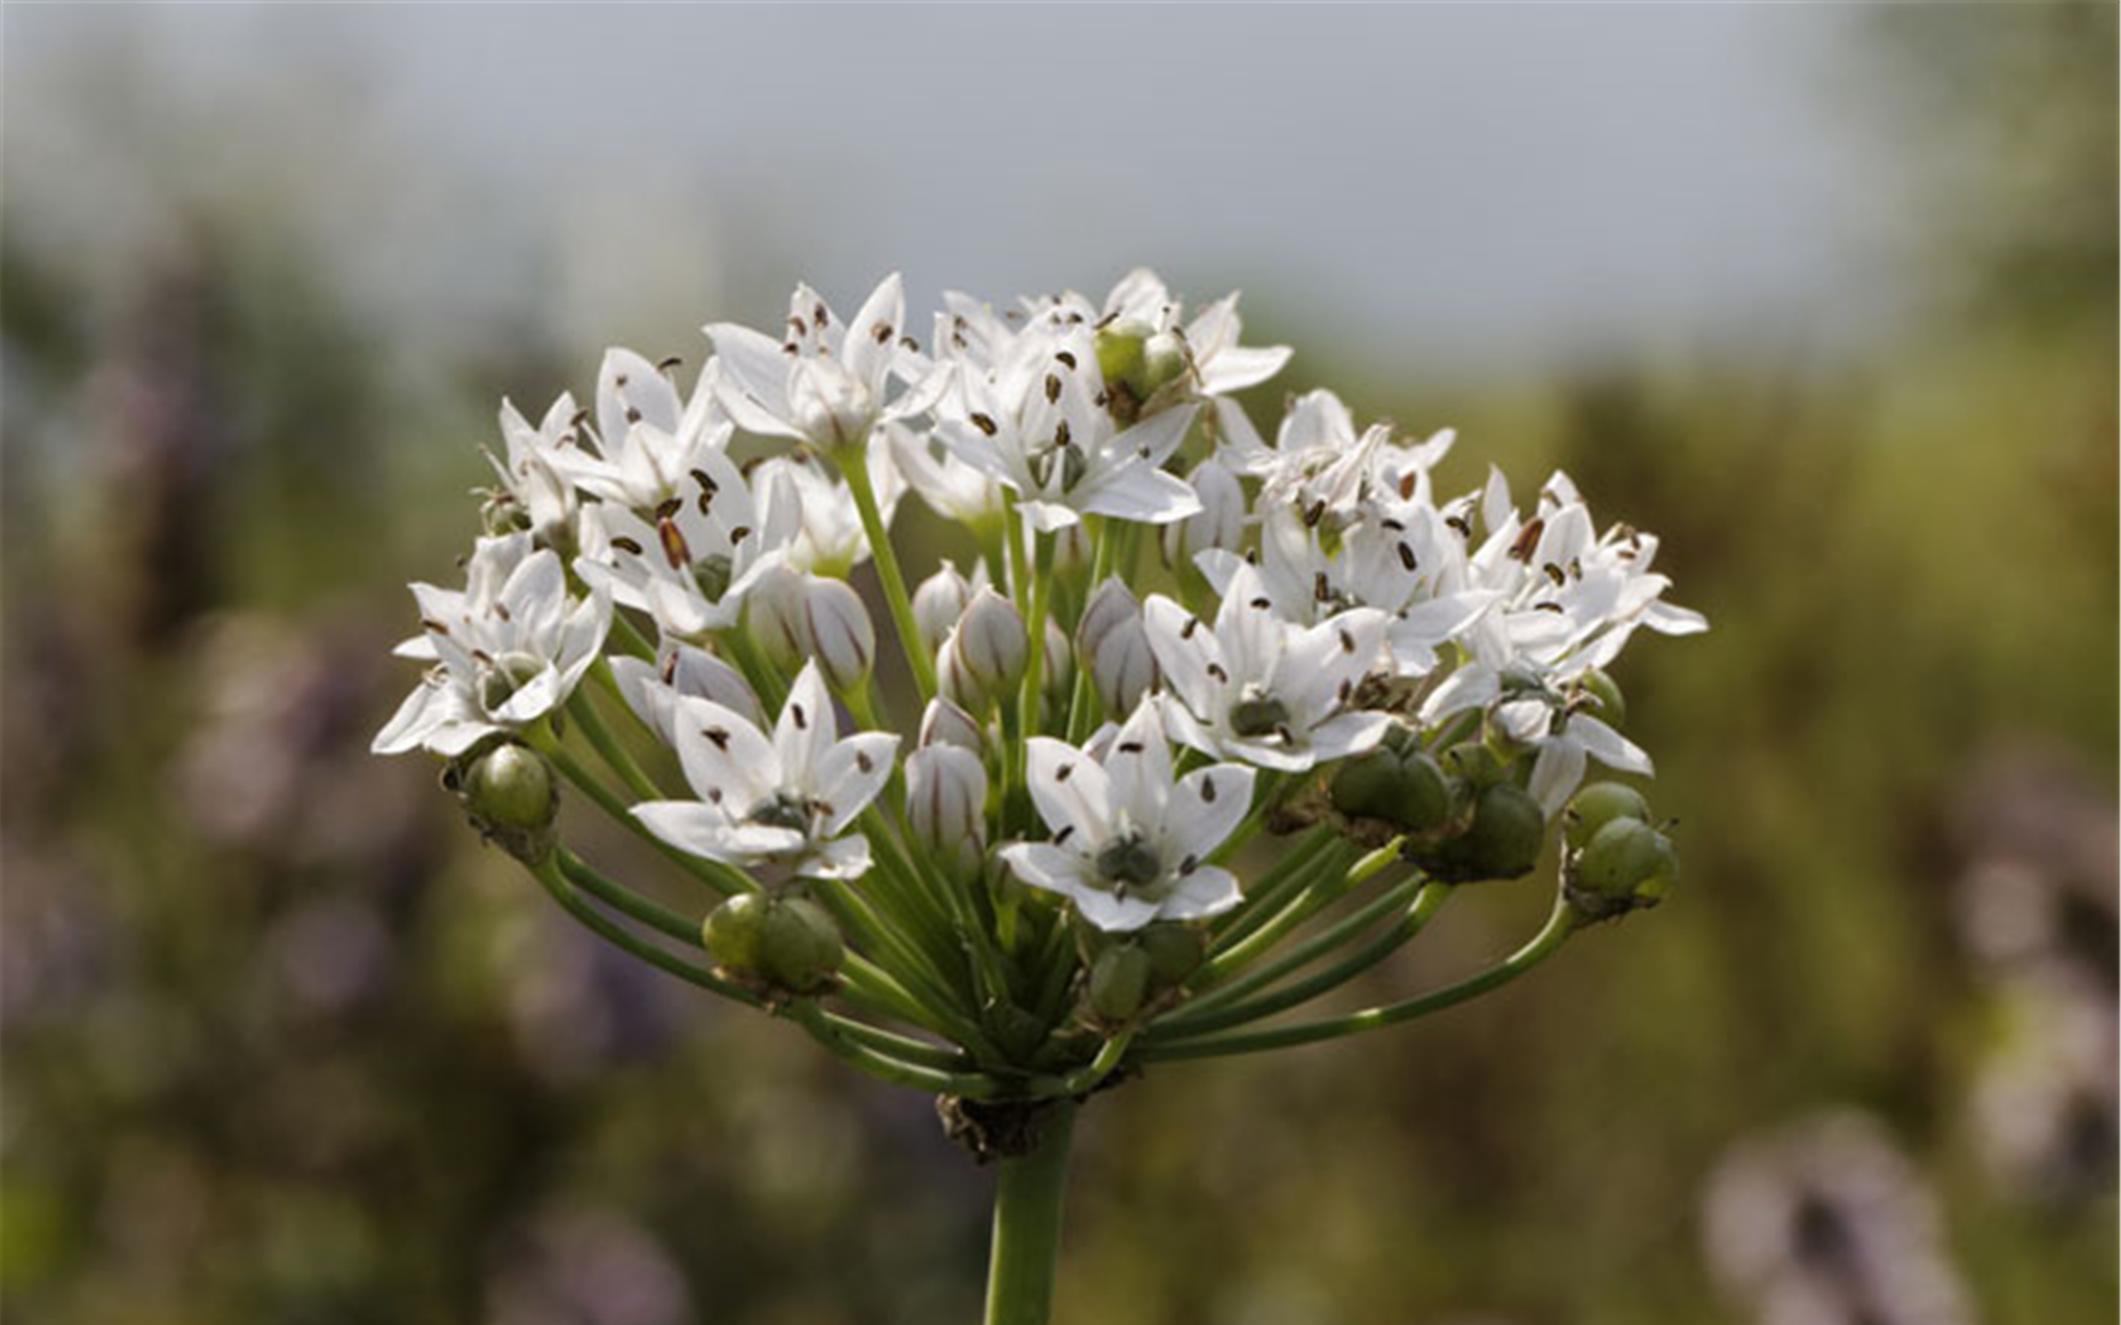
x,y
1470,185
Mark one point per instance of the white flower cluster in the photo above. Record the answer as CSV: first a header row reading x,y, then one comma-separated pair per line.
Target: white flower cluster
x,y
1313,596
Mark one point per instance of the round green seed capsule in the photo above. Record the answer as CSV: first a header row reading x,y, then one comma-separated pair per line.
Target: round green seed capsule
x,y
1175,952
1119,981
1624,858
1598,805
799,945
511,787
731,932
1612,705
1506,835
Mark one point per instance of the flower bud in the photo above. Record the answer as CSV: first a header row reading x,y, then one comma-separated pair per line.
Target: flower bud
x,y
944,723
773,613
1627,864
799,945
512,798
1405,788
841,637
937,604
1119,982
1598,805
1057,674
1218,524
990,643
1111,642
1175,952
946,804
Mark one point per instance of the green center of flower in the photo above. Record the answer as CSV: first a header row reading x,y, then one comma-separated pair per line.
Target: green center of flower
x,y
1257,713
1129,862
781,810
713,573
508,673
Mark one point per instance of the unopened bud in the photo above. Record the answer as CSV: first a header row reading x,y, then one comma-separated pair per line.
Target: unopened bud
x,y
1220,522
841,637
990,643
1119,982
1111,642
773,613
944,723
1627,864
946,804
1058,668
1598,805
937,604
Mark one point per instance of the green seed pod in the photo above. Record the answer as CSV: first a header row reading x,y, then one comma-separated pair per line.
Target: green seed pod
x,y
732,931
1505,838
1612,705
1119,981
1175,952
1625,857
1598,805
511,787
1163,359
799,945
1406,789
1120,349
1476,762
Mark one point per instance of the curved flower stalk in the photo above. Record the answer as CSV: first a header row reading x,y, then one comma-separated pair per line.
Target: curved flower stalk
x,y
1135,827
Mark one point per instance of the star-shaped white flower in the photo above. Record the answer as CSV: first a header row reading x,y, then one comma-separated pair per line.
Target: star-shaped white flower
x,y
1039,425
648,442
784,800
533,471
1257,687
824,382
1401,558
829,538
1130,844
510,648
692,563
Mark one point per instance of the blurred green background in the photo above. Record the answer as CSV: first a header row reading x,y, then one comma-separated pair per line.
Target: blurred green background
x,y
283,1044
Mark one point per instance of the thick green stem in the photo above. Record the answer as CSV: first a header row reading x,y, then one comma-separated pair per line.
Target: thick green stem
x,y
1027,1225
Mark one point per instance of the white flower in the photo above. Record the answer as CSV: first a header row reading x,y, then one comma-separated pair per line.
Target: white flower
x,y
705,550
1563,751
784,800
825,381
1220,364
532,469
511,646
649,442
951,488
1130,844
1220,522
1039,424
830,539
1400,558
1259,688
651,689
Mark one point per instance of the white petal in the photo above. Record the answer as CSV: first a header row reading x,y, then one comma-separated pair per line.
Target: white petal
x,y
723,755
1070,789
1607,746
1187,651
1348,734
1207,806
1556,773
1136,490
807,729
1208,891
852,773
1239,366
693,827
842,858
